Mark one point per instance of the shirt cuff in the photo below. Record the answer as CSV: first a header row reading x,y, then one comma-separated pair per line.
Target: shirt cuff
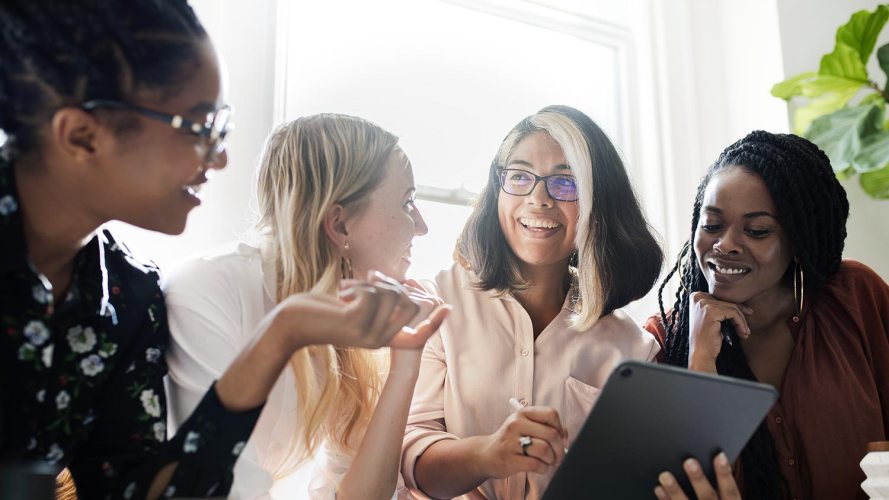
x,y
416,441
207,446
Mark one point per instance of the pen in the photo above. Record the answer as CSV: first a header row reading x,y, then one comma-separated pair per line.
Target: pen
x,y
726,331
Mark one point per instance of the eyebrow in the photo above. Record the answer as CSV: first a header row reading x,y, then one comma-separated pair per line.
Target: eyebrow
x,y
750,215
561,166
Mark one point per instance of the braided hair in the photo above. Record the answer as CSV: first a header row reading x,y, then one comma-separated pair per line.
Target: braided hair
x,y
57,53
812,209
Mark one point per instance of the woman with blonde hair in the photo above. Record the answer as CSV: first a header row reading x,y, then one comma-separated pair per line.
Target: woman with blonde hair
x,y
336,201
555,246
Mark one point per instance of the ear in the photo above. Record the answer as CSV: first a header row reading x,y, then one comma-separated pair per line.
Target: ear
x,y
335,225
79,135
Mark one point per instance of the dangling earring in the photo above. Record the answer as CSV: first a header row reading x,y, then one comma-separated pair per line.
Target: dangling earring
x,y
799,293
346,263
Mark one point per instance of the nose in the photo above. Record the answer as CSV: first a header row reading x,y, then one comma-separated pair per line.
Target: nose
x,y
220,162
419,224
728,243
539,195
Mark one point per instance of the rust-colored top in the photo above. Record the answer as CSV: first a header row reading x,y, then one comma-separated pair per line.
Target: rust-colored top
x,y
878,446
835,393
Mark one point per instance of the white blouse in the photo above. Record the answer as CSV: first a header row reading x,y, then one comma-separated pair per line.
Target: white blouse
x,y
214,304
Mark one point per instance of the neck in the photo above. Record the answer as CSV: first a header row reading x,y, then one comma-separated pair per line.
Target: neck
x,y
545,295
56,225
771,309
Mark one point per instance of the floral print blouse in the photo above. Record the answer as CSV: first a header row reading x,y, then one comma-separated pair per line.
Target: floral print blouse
x,y
81,381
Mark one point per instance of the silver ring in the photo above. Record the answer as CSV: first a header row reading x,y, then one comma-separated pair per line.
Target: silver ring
x,y
525,442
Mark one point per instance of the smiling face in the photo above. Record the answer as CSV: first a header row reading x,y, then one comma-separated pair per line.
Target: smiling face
x,y
540,231
381,232
742,249
152,178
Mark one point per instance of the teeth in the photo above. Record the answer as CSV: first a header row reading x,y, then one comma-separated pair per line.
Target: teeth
x,y
193,190
729,270
539,223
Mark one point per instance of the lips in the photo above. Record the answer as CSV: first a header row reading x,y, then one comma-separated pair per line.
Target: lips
x,y
728,272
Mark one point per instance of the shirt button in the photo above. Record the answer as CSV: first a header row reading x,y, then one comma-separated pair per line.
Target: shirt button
x,y
791,462
778,420
523,402
525,352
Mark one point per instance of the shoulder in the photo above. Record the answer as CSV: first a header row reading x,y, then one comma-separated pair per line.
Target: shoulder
x,y
452,282
622,328
229,265
856,279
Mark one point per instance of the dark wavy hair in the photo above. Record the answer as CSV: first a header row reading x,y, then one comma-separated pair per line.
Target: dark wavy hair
x,y
618,258
57,53
812,209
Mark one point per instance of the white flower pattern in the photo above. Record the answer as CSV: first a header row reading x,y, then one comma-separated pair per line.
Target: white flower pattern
x,y
36,332
151,403
55,453
92,365
47,355
160,431
62,400
8,205
191,442
152,354
81,339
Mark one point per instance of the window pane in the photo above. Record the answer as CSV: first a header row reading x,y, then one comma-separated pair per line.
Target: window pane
x,y
449,80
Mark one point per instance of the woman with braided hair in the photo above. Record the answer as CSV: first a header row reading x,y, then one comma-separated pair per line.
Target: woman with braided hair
x,y
113,110
765,295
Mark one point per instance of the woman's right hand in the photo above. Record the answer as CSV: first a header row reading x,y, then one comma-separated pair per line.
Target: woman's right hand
x,y
706,315
502,454
368,314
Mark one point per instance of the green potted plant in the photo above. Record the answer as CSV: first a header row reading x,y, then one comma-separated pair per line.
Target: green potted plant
x,y
843,110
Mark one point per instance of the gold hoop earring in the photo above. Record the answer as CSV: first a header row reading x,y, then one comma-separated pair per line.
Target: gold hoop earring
x,y
799,290
346,263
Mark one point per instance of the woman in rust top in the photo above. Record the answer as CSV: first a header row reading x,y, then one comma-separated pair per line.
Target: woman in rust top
x,y
764,268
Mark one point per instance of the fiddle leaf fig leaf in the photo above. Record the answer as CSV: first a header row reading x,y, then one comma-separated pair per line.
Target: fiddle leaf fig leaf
x,y
844,62
876,183
840,133
861,32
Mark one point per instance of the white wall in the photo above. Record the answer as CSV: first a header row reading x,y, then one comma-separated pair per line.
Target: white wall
x,y
807,33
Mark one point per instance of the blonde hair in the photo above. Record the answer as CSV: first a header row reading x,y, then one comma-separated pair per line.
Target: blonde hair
x,y
618,259
307,166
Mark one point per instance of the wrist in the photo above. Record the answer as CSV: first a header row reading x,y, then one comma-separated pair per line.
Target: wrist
x,y
698,363
283,329
404,364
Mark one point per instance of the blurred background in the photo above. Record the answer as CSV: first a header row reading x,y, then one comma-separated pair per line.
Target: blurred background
x,y
671,82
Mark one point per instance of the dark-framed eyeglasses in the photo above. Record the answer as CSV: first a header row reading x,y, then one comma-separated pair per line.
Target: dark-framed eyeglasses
x,y
518,182
213,130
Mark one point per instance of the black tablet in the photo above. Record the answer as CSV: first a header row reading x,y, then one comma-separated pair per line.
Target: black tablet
x,y
650,418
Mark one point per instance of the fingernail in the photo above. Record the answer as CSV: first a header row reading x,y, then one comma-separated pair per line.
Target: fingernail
x,y
722,460
566,449
690,465
666,478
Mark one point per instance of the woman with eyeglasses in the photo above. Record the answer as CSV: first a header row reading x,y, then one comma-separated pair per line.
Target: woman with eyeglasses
x,y
112,110
557,243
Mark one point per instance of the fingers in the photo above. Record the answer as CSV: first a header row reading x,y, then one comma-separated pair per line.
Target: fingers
x,y
669,488
725,479
699,482
410,338
547,416
547,444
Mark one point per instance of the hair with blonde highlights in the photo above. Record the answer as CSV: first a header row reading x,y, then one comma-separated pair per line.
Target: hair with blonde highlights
x,y
618,258
309,165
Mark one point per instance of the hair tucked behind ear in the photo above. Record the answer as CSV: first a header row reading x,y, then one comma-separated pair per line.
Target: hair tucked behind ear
x,y
812,209
309,165
56,53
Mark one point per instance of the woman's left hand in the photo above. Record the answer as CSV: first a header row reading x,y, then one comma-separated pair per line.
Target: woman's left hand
x,y
725,481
